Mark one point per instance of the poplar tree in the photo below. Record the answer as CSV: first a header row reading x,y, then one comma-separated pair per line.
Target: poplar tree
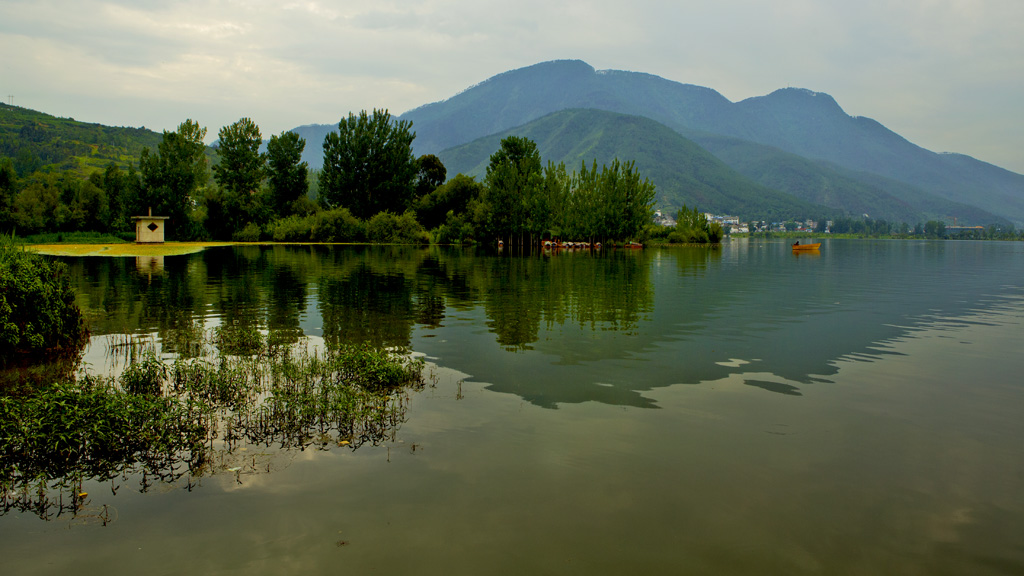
x,y
513,179
241,166
369,166
286,170
172,176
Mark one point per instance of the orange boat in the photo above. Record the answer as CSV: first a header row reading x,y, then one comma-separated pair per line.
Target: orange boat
x,y
806,246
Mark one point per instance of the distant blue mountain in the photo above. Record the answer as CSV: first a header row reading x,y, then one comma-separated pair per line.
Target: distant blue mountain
x,y
786,123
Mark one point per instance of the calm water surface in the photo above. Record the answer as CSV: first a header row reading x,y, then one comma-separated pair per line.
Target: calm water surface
x,y
742,410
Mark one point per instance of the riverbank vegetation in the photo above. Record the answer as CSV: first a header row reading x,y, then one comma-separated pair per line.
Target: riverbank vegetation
x,y
39,321
180,418
692,227
371,189
61,178
182,414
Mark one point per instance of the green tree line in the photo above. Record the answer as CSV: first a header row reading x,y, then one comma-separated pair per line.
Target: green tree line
x,y
371,188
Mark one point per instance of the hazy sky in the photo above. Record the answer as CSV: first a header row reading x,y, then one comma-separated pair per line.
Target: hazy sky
x,y
946,74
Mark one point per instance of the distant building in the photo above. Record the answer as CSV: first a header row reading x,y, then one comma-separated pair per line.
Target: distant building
x,y
721,218
663,220
150,229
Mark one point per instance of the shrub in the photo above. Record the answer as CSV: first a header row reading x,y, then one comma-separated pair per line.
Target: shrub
x,y
292,229
688,236
455,231
337,225
387,228
39,320
251,233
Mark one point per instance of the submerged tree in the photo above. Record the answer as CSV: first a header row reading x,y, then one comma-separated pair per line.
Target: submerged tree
x,y
608,203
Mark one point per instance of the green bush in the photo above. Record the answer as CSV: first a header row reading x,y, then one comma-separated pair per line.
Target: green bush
x,y
251,233
688,236
39,320
337,225
456,230
693,227
387,228
292,229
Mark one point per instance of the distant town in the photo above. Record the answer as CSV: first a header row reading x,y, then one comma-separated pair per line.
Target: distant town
x,y
732,224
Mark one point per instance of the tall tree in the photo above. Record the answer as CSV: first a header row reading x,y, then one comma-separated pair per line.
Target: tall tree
x,y
118,187
241,166
637,196
93,203
513,179
8,188
452,197
430,175
288,173
172,176
36,207
239,202
369,166
612,203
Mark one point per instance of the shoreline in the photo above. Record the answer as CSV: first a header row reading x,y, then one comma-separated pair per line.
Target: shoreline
x,y
128,249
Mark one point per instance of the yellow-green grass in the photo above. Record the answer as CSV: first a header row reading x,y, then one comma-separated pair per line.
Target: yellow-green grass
x,y
128,249
167,249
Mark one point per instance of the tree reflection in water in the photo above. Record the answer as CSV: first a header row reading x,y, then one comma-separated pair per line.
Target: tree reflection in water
x,y
365,294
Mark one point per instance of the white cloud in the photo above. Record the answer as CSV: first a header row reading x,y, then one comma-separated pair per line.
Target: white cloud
x,y
945,73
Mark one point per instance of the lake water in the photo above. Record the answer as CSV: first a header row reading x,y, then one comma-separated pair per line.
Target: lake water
x,y
740,410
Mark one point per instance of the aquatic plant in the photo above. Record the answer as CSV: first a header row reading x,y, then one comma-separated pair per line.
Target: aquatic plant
x,y
145,375
350,395
236,338
164,420
90,429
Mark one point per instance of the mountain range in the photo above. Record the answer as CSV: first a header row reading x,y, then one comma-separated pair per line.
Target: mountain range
x,y
791,153
793,141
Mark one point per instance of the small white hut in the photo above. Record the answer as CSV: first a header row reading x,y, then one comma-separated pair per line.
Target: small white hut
x,y
150,229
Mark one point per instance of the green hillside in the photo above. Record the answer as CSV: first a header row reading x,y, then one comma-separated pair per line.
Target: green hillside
x,y
813,125
682,171
802,122
835,187
39,142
